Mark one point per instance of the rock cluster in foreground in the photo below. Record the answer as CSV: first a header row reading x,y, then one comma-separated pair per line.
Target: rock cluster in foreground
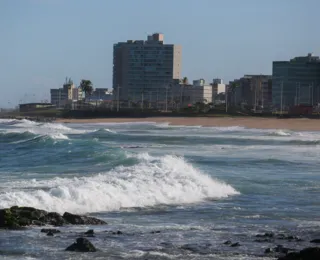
x,y
16,217
81,245
310,253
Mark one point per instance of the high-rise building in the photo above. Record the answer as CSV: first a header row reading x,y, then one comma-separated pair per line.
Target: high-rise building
x,y
251,90
296,82
144,70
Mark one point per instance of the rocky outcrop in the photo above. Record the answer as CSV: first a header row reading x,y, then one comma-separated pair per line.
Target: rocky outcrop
x,y
82,245
269,237
17,217
309,253
81,220
47,230
266,235
279,249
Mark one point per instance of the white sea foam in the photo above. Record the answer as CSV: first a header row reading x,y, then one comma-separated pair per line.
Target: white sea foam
x,y
25,123
164,124
110,131
50,129
164,180
6,121
168,125
55,126
59,136
280,133
227,128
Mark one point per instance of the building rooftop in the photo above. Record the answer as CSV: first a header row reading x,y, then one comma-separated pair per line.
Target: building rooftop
x,y
309,58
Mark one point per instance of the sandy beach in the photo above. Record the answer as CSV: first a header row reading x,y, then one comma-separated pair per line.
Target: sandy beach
x,y
296,124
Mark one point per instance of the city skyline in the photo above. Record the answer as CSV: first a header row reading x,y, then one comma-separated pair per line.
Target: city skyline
x,y
45,41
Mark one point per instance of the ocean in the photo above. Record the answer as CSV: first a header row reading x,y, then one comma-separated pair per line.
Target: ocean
x,y
175,192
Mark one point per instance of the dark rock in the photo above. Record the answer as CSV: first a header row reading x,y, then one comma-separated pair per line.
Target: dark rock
x,y
81,220
37,223
156,232
235,244
267,234
53,218
315,241
28,212
310,253
81,245
89,232
17,217
290,238
7,219
281,249
202,249
46,230
117,233
50,233
268,250
24,221
228,242
294,238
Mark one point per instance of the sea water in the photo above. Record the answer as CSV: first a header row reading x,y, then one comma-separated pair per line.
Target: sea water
x,y
175,192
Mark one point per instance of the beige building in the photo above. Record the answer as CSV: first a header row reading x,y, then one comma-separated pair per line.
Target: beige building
x,y
144,69
60,97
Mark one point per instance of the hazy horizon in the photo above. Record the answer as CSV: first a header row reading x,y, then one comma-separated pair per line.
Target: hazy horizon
x,y
43,42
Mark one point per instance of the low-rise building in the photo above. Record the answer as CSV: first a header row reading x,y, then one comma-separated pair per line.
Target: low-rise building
x,y
186,95
217,81
60,97
101,94
199,82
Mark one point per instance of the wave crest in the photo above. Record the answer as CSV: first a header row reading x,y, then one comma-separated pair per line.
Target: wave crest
x,y
165,180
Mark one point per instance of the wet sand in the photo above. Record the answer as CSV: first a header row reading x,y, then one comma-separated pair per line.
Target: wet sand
x,y
249,122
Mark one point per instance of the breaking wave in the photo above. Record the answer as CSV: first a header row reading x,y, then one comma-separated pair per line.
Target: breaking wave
x,y
16,137
153,181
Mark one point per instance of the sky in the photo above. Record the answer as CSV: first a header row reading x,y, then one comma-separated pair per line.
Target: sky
x,y
44,41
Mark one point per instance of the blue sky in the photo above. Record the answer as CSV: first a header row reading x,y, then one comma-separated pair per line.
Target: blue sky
x,y
44,41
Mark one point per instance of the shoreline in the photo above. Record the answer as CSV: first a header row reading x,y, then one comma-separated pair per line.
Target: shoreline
x,y
294,124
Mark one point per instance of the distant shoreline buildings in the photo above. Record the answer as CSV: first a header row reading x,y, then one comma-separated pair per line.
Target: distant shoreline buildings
x,y
147,74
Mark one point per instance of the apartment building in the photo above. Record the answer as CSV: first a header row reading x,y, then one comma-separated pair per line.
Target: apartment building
x,y
296,81
145,68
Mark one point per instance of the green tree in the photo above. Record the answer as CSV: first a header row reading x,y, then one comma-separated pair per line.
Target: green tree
x,y
86,86
185,81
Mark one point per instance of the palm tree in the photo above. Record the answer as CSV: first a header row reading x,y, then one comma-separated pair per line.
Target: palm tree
x,y
86,86
185,81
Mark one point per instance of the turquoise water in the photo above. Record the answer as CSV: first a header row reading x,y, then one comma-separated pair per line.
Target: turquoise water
x,y
198,186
